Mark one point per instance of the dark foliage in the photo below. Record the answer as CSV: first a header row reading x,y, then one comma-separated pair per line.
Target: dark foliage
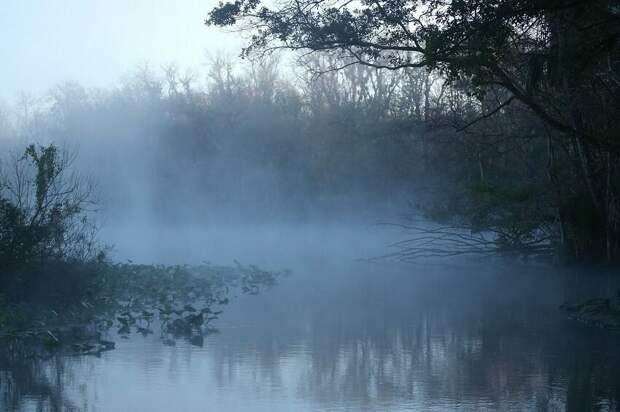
x,y
44,226
557,60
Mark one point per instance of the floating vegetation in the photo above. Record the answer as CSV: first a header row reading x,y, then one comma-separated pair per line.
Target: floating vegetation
x,y
602,313
173,301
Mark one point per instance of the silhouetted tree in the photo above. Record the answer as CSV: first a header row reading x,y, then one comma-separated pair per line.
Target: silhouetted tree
x,y
558,59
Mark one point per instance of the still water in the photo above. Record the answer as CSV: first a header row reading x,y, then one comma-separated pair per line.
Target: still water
x,y
340,334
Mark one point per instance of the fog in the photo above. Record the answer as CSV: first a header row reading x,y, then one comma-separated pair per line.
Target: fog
x,y
311,207
235,144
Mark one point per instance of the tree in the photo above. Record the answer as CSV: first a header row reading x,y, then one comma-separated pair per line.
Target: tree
x,y
559,59
511,43
44,210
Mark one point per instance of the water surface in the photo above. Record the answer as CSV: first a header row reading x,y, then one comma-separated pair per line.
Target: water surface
x,y
341,334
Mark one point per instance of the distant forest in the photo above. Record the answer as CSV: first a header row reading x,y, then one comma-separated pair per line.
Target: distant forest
x,y
248,139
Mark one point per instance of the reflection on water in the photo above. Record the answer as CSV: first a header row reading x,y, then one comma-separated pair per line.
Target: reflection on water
x,y
346,335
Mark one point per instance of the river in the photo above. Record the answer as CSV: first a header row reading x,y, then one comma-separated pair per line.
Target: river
x,y
343,334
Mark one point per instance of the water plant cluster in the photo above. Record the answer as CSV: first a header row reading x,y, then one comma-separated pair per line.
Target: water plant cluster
x,y
599,312
173,301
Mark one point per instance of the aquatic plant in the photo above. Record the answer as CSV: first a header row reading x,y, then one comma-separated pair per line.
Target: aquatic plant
x,y
180,301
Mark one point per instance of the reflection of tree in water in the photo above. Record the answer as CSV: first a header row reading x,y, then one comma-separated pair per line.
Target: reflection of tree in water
x,y
31,380
431,342
428,343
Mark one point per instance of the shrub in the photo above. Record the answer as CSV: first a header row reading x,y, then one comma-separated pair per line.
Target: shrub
x,y
45,217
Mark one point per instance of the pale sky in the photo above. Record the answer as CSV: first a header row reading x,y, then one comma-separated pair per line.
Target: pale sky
x,y
95,42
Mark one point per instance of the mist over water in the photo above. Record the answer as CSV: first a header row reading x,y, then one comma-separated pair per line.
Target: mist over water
x,y
340,332
363,239
336,334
